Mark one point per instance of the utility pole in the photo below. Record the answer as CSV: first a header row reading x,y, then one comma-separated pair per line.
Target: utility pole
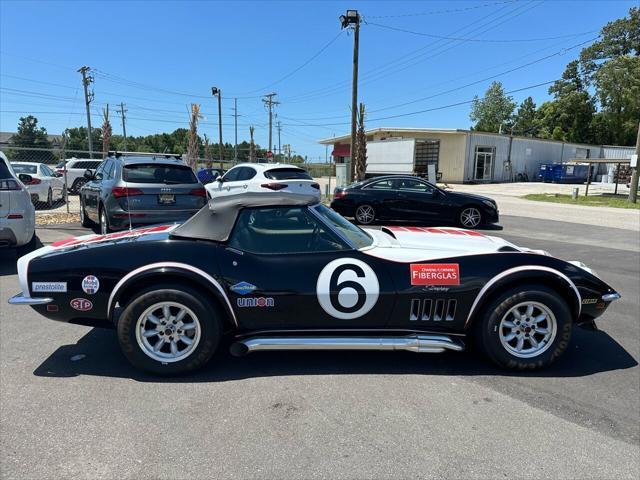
x,y
270,102
122,113
235,122
88,98
279,126
633,193
353,18
216,92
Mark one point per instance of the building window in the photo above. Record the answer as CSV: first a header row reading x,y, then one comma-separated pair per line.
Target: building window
x,y
483,163
427,153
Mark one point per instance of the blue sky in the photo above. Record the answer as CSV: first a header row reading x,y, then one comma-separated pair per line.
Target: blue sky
x,y
159,56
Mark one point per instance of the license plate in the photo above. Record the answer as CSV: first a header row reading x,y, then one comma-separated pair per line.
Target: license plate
x,y
166,198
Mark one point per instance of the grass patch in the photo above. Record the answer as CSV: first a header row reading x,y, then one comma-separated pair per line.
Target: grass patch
x,y
617,201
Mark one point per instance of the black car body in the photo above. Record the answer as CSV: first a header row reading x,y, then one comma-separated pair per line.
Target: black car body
x,y
410,198
134,191
281,272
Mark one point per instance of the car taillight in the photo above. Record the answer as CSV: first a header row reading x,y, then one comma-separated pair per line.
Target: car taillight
x,y
274,186
34,181
339,194
10,185
59,170
119,192
198,192
316,186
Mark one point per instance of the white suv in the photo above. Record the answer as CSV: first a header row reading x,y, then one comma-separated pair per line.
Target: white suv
x,y
75,171
263,177
17,214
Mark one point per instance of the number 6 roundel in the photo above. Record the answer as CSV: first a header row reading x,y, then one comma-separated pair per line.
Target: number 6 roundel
x,y
347,288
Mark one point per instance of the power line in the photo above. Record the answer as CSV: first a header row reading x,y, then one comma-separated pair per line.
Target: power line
x,y
439,12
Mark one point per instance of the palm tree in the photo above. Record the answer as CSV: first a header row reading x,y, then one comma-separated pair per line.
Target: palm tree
x,y
252,146
361,147
106,132
193,148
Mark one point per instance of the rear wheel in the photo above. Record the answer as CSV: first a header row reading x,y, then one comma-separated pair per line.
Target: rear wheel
x,y
104,222
169,330
86,222
526,327
49,198
365,214
470,217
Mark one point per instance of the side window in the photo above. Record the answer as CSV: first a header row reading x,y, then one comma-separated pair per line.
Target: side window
x,y
46,171
282,230
108,170
411,185
82,165
246,173
232,175
93,165
382,185
101,168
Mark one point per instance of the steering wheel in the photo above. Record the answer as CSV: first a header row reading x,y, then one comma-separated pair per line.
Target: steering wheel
x,y
313,240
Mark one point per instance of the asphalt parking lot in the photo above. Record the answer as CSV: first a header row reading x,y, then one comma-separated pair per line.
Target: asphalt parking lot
x,y
71,406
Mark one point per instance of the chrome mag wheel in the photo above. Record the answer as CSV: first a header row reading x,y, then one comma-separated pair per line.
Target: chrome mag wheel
x,y
168,332
470,217
365,214
528,329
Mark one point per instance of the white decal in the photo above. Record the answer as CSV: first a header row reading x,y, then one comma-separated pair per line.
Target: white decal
x,y
49,287
347,288
90,284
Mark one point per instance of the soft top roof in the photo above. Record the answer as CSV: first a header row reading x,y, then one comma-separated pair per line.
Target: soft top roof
x,y
216,220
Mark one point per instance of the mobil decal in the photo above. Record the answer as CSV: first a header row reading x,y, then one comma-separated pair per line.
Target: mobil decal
x,y
255,302
435,274
81,304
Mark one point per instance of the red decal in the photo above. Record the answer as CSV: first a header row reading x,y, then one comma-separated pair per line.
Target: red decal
x,y
451,231
81,304
435,274
67,242
471,233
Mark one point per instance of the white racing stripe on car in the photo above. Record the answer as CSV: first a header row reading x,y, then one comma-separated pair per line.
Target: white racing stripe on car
x,y
23,267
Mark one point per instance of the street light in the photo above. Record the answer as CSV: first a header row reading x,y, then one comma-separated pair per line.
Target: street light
x,y
216,92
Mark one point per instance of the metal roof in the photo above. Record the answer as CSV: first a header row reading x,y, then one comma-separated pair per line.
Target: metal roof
x,y
373,131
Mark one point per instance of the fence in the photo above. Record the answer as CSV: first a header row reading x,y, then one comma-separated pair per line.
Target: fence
x,y
54,189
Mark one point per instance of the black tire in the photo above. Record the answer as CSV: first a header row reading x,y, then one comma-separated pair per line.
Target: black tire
x,y
77,185
103,223
208,318
28,247
465,214
488,329
86,221
49,198
365,214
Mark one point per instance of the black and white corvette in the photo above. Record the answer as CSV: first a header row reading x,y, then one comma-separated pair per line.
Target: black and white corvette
x,y
279,272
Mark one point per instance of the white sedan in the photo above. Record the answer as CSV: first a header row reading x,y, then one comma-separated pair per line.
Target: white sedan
x,y
45,187
263,177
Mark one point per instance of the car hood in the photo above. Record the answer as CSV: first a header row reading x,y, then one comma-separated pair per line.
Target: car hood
x,y
413,244
467,196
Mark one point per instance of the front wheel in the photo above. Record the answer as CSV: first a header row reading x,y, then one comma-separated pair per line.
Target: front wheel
x,y
470,217
169,330
526,327
365,214
104,222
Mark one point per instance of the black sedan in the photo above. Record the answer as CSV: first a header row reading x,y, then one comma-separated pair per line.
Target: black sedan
x,y
282,271
411,198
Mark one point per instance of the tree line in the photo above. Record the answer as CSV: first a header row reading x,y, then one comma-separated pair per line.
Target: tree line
x,y
597,100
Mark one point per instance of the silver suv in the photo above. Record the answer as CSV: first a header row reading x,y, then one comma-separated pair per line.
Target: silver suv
x,y
17,213
124,192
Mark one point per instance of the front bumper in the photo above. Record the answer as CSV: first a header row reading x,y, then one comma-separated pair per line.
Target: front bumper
x,y
19,299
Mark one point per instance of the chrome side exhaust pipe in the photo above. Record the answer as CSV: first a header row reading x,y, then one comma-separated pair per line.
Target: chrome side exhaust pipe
x,y
413,343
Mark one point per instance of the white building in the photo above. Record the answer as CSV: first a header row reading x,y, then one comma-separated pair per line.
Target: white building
x,y
463,155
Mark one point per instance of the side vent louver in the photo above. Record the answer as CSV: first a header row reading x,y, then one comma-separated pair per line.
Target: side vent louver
x,y
433,310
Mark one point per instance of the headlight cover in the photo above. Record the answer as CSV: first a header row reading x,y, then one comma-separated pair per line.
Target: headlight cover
x,y
490,204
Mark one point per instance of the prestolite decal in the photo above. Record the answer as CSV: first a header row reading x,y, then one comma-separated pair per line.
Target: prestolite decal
x,y
435,274
347,288
90,284
49,287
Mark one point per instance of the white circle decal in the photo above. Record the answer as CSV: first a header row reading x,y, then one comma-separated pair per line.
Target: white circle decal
x,y
90,284
347,288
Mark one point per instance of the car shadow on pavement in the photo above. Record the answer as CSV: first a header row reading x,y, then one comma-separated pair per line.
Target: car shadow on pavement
x,y
98,354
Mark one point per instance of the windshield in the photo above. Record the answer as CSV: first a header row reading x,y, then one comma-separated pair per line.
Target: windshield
x,y
355,235
154,173
287,174
20,168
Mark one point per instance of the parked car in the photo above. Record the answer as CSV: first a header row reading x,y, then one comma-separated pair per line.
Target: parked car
x,y
282,272
132,191
45,186
263,177
400,197
208,175
75,171
17,213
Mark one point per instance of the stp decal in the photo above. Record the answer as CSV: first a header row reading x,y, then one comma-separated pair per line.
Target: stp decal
x,y
347,288
255,302
90,284
435,274
81,304
242,288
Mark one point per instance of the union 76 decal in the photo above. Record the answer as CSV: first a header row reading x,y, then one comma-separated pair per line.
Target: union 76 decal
x,y
347,288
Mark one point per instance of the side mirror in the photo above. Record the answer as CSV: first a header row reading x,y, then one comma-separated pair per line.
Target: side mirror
x,y
220,179
25,178
89,174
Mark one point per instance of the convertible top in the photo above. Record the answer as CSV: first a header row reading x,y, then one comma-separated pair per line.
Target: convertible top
x,y
216,220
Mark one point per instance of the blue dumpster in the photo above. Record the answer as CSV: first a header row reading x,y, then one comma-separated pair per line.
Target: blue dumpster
x,y
545,174
571,174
